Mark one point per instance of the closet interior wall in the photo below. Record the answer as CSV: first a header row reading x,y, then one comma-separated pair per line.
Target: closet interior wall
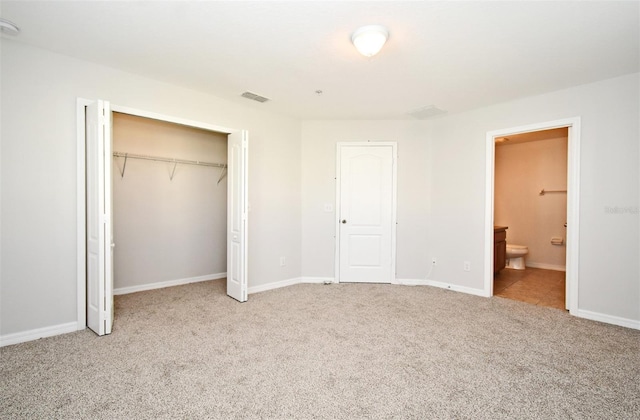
x,y
169,220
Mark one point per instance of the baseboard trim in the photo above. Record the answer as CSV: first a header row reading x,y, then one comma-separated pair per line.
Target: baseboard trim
x,y
317,280
608,319
274,285
441,285
546,266
24,336
169,283
410,282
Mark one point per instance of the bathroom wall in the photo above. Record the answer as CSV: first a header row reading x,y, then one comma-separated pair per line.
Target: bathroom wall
x,y
167,229
521,171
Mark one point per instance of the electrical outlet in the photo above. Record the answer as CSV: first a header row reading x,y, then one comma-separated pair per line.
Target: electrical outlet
x,y
467,266
283,261
328,207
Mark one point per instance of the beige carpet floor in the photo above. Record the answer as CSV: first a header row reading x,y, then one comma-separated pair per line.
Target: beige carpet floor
x,y
348,351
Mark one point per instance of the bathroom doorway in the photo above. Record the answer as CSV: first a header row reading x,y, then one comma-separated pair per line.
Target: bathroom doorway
x,y
532,200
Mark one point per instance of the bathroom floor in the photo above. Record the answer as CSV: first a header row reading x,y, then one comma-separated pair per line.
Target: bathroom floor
x,y
533,285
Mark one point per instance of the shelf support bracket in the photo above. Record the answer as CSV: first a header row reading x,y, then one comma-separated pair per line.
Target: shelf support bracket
x,y
223,172
124,165
173,171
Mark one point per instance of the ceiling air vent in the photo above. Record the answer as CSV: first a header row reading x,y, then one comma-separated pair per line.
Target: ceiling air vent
x,y
254,97
427,112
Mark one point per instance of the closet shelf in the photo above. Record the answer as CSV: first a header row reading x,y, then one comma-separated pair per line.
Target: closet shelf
x,y
168,160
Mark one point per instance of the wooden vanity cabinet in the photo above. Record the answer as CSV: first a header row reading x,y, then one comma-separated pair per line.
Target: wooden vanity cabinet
x,y
499,248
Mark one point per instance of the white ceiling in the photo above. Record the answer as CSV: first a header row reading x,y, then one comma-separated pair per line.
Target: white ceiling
x,y
454,55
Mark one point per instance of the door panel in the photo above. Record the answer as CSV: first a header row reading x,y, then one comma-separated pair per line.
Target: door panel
x,y
237,216
367,209
99,232
365,250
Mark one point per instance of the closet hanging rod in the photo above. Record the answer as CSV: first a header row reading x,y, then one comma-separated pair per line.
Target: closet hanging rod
x,y
170,160
543,191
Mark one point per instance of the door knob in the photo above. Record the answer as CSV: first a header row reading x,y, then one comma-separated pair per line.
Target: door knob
x,y
344,221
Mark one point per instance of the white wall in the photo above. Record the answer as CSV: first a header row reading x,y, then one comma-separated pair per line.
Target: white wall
x,y
445,198
319,140
39,91
441,176
521,171
167,229
608,263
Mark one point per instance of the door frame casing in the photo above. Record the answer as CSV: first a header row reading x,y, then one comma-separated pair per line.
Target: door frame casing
x,y
394,198
573,203
81,252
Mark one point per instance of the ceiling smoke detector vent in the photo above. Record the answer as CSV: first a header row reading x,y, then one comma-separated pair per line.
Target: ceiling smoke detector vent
x,y
254,97
427,112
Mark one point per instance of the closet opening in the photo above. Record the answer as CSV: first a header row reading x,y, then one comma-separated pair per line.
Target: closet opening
x,y
180,208
169,192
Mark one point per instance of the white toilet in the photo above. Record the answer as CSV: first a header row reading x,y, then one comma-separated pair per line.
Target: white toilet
x,y
515,256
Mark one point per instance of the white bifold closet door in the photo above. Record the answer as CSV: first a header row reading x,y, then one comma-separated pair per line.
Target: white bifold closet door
x,y
237,209
99,213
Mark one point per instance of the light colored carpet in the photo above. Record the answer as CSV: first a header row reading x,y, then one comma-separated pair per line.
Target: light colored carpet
x,y
327,352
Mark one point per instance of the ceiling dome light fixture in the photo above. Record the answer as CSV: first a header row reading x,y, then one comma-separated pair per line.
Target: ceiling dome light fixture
x,y
8,28
370,39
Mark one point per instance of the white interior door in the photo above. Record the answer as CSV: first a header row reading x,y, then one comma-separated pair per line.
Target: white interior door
x,y
366,197
237,215
99,264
